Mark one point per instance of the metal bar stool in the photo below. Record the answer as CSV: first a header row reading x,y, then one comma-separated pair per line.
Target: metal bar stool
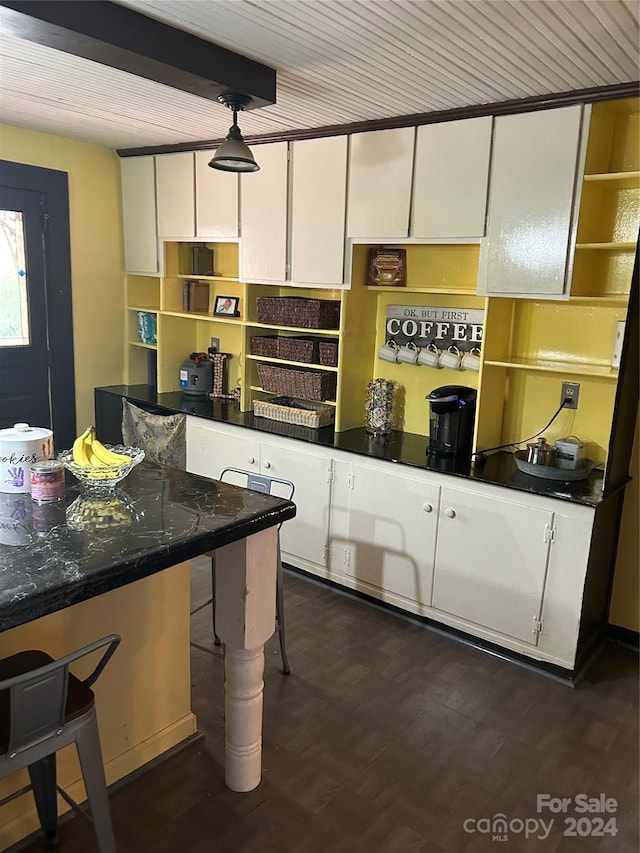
x,y
43,708
259,483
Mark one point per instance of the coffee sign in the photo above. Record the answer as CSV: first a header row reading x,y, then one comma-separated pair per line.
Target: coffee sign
x,y
444,327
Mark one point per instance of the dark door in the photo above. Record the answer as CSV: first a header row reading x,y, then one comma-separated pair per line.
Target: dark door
x,y
36,324
24,351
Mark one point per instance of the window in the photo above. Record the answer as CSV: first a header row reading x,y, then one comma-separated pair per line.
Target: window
x,y
14,314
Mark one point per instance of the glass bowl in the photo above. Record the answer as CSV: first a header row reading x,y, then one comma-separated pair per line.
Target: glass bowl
x,y
102,477
103,512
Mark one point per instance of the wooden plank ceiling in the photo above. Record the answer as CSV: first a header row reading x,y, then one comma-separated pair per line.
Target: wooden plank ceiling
x,y
337,61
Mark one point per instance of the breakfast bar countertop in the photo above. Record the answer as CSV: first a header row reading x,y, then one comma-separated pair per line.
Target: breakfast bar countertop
x,y
61,553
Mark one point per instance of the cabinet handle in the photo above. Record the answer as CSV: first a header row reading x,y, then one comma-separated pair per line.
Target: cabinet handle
x,y
267,464
251,460
449,512
427,507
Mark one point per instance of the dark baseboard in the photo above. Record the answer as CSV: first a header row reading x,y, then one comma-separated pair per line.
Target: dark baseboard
x,y
559,673
624,636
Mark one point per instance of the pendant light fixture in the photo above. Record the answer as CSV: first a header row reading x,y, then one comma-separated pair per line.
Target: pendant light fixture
x,y
234,155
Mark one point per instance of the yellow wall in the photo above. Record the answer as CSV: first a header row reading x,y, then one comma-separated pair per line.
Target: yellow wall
x,y
97,257
625,599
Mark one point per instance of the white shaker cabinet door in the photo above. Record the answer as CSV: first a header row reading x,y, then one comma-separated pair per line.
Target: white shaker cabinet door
x,y
392,533
303,539
528,249
176,195
379,193
450,178
491,561
318,199
263,216
139,214
217,196
212,447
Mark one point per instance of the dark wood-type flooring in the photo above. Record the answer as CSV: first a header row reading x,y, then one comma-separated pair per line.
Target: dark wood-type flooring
x,y
386,738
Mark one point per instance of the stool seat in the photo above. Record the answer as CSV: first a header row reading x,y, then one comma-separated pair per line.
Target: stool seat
x,y
43,708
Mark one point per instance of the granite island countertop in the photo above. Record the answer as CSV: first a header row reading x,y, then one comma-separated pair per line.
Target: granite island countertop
x,y
57,554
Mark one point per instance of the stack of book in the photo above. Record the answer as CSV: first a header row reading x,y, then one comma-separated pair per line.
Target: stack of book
x,y
195,297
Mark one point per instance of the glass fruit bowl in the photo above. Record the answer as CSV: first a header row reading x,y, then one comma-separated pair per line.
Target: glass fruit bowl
x,y
102,513
103,477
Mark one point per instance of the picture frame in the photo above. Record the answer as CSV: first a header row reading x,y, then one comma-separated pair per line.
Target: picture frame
x,y
226,306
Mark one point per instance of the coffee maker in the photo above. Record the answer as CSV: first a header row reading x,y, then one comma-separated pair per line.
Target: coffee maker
x,y
451,420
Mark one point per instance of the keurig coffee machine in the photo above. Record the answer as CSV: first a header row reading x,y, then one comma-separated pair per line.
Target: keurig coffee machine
x,y
451,420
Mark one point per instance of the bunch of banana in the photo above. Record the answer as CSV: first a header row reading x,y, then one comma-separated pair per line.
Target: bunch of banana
x,y
89,452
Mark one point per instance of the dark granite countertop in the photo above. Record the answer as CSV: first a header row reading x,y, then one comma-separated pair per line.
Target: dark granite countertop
x,y
56,554
401,447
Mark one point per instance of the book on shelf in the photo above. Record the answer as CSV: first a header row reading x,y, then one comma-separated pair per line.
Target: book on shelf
x,y
195,297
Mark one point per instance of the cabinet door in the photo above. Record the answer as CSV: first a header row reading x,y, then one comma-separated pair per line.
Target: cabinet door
x,y
263,215
212,447
139,214
532,200
450,178
176,195
392,532
491,562
379,194
217,196
318,202
303,539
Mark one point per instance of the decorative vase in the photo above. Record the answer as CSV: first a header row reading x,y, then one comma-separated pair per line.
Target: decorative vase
x,y
379,406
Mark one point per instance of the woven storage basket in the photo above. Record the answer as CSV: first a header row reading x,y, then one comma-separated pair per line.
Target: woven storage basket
x,y
328,352
290,411
307,384
265,345
298,349
298,311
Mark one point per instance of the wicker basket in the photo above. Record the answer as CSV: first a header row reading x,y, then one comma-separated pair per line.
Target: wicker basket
x,y
298,349
305,384
299,312
328,352
266,345
291,411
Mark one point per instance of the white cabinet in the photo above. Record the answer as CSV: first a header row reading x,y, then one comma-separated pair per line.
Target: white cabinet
x,y
176,195
451,176
217,195
139,214
533,199
491,561
213,446
263,216
379,193
318,200
383,531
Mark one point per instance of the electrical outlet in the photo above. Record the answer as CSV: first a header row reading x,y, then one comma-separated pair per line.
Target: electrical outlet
x,y
215,344
570,392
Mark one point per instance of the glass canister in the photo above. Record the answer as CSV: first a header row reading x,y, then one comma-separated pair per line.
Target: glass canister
x,y
379,406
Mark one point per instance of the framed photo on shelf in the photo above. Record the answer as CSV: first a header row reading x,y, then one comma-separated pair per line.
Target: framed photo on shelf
x,y
226,306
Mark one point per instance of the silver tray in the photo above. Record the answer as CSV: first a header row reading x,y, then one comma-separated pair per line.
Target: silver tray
x,y
548,472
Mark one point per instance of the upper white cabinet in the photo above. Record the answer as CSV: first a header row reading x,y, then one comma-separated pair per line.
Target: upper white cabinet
x,y
139,214
318,201
536,159
217,195
451,176
263,216
379,194
176,197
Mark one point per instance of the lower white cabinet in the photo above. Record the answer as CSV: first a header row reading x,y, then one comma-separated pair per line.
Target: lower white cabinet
x,y
491,561
383,530
498,564
213,446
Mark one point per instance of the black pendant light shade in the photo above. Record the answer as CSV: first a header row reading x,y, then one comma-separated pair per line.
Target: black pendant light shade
x,y
234,155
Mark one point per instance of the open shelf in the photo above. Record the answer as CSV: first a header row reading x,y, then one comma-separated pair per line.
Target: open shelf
x,y
575,368
305,331
618,180
271,394
143,346
609,247
451,291
291,363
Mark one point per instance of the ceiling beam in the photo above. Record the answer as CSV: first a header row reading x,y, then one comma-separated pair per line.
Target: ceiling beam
x,y
121,38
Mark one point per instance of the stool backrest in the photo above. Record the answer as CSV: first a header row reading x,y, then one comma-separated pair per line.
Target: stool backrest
x,y
259,482
37,698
